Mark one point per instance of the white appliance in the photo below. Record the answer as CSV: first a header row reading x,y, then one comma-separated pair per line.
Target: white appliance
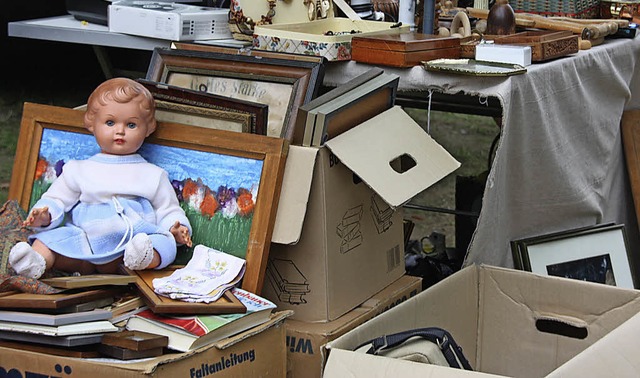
x,y
172,21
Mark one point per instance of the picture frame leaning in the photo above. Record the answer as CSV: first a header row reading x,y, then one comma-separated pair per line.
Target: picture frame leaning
x,y
594,253
224,167
283,84
189,107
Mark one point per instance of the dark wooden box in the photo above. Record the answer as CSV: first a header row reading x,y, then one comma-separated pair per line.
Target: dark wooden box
x,y
403,50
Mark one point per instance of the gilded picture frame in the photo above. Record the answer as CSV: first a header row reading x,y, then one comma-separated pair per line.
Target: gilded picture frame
x,y
220,165
196,108
282,84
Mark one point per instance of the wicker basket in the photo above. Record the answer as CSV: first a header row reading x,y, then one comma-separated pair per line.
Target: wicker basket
x,y
565,8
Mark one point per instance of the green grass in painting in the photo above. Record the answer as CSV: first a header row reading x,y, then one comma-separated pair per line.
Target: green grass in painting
x,y
229,235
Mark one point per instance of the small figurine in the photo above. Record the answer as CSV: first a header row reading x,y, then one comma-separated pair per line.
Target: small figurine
x,y
112,207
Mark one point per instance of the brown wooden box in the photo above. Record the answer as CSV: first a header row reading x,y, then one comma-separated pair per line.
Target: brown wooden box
x,y
403,50
545,45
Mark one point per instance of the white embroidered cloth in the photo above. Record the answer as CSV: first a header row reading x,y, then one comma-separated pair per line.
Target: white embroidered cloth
x,y
205,278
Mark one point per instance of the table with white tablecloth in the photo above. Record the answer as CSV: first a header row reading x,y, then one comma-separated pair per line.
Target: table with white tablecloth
x,y
559,163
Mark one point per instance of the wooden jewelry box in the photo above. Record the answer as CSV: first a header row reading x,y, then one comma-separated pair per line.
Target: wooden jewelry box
x,y
403,50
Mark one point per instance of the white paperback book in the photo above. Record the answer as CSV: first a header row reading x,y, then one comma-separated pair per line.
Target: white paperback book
x,y
54,319
99,326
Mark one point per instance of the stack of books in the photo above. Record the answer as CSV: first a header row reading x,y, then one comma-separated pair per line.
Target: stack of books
x,y
78,316
115,320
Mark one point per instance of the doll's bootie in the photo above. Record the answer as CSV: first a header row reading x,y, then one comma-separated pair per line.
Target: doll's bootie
x,y
138,253
26,261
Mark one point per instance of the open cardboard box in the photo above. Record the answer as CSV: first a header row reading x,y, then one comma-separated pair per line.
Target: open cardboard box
x,y
338,236
498,316
259,351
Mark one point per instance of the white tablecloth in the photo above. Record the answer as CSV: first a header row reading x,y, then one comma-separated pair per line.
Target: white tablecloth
x,y
560,162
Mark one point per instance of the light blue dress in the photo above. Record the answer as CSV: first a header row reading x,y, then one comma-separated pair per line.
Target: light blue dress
x,y
97,205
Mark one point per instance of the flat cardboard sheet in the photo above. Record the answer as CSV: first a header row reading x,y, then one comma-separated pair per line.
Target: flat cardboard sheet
x,y
370,149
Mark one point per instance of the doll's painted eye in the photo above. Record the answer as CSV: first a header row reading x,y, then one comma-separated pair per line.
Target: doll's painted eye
x,y
131,125
110,123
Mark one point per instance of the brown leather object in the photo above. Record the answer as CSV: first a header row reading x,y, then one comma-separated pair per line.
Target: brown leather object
x,y
389,7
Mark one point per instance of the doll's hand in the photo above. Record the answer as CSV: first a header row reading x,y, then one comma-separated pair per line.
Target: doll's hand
x,y
39,217
181,233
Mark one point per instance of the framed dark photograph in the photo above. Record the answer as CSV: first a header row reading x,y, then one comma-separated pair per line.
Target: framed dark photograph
x,y
196,108
282,84
595,254
228,183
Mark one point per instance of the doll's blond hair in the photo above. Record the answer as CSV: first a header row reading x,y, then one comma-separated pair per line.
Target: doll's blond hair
x,y
121,90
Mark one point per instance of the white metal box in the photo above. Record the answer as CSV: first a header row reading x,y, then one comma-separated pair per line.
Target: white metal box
x,y
172,21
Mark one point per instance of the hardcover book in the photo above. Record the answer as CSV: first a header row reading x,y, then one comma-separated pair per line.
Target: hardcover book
x,y
187,333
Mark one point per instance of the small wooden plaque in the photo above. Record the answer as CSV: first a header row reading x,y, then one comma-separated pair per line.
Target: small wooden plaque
x,y
128,354
91,280
135,340
85,351
54,301
227,304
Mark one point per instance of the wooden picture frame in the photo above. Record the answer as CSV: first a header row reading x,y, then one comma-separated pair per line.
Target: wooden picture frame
x,y
159,304
630,128
189,107
245,162
283,85
60,301
595,253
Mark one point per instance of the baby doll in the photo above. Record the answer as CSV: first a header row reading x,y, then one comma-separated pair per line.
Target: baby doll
x,y
111,207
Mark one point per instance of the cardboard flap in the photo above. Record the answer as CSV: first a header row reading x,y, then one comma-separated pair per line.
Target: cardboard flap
x,y
346,8
615,355
294,195
371,147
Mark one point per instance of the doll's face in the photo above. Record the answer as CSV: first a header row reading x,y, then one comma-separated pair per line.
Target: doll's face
x,y
119,128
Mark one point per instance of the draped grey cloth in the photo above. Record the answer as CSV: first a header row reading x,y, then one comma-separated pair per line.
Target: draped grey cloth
x,y
560,163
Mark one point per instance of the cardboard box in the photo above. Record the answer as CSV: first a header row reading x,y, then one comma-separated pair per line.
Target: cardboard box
x,y
404,49
305,341
311,38
256,352
351,245
172,21
499,317
614,355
